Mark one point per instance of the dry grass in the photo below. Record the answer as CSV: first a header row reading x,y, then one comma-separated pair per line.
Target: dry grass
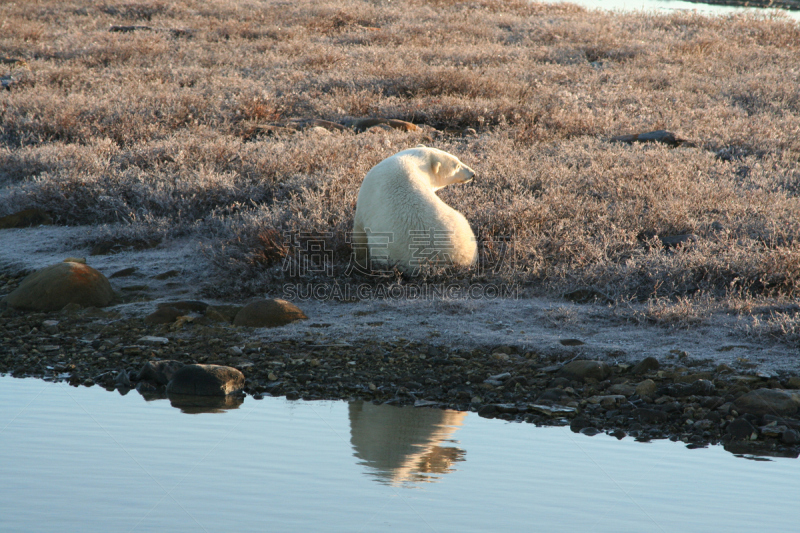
x,y
150,132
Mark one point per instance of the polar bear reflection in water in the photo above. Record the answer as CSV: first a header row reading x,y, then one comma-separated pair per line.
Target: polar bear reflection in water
x,y
404,445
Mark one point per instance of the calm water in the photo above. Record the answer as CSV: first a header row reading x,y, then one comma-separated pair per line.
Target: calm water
x,y
662,6
78,459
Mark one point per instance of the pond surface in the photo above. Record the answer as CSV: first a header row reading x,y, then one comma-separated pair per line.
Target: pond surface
x,y
662,6
85,459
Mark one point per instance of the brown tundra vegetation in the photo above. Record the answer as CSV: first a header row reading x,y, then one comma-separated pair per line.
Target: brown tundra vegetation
x,y
159,120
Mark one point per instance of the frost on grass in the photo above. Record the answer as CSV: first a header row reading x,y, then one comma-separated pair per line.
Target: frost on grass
x,y
157,134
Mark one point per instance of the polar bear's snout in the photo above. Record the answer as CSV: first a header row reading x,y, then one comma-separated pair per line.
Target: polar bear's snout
x,y
465,174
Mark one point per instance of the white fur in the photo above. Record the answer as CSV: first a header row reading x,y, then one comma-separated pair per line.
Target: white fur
x,y
397,197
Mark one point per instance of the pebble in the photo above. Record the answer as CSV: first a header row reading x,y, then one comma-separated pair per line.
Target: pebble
x,y
147,339
50,326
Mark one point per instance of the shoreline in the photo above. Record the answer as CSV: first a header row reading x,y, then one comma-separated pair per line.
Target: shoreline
x,y
686,399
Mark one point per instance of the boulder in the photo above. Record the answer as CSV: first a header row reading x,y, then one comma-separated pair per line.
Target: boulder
x,y
768,402
205,380
581,370
53,287
268,314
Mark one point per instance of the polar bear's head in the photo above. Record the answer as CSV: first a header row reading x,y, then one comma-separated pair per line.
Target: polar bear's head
x,y
445,169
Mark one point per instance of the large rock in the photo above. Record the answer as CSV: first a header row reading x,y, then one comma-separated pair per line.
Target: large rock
x,y
268,314
581,370
206,380
768,402
53,287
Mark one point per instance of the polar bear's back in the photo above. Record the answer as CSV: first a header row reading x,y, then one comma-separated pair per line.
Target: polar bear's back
x,y
405,222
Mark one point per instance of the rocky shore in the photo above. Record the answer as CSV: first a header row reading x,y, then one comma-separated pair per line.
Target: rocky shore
x,y
697,403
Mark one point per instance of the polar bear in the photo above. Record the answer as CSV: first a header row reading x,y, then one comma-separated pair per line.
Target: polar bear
x,y
400,221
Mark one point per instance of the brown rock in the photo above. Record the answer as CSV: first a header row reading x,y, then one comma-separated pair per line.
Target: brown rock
x,y
206,380
580,370
163,315
268,313
53,287
768,402
646,388
25,219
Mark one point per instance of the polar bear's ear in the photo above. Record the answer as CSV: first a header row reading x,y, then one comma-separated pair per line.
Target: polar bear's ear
x,y
421,146
435,166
